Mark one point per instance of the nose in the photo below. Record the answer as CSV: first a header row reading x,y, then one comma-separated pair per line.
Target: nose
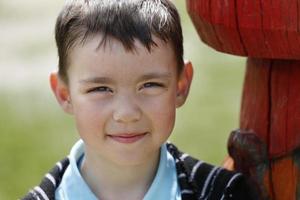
x,y
126,110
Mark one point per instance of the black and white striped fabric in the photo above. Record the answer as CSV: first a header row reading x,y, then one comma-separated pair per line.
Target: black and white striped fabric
x,y
197,180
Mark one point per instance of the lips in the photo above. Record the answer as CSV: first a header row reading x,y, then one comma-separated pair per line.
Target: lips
x,y
128,138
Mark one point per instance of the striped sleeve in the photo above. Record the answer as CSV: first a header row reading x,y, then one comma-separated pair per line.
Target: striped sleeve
x,y
222,184
201,181
239,187
47,187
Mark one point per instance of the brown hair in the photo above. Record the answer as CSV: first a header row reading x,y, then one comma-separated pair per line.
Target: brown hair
x,y
124,20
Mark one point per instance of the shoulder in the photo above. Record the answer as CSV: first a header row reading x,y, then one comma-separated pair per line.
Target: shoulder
x,y
50,182
200,180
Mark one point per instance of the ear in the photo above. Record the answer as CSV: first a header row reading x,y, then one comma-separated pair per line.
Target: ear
x,y
184,83
61,92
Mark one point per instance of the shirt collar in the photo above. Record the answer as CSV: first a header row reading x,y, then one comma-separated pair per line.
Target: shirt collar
x,y
164,185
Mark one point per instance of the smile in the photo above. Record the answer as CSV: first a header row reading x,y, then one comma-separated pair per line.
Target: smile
x,y
128,138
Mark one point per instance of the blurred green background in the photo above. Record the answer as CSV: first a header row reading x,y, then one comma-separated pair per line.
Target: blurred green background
x,y
35,133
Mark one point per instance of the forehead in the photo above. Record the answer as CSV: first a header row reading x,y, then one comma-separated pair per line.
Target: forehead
x,y
109,45
112,56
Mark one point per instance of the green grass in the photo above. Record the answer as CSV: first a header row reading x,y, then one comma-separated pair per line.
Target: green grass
x,y
35,133
32,138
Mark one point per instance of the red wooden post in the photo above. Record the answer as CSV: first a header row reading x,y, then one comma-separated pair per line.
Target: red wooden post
x,y
267,145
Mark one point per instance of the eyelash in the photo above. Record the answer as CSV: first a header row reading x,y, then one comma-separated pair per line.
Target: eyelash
x,y
100,89
107,89
152,84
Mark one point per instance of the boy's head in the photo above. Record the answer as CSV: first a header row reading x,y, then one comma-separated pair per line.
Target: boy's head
x,y
121,75
123,20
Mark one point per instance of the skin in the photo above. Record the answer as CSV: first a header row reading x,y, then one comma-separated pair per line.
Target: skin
x,y
124,105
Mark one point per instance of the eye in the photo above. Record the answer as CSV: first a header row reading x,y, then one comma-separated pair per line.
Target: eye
x,y
152,85
101,89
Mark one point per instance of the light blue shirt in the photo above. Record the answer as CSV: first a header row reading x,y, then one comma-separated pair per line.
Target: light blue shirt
x,y
163,187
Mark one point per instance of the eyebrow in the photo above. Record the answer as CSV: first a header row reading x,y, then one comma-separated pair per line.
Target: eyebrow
x,y
155,75
102,80
107,80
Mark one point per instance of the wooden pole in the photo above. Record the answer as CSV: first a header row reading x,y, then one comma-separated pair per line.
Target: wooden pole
x,y
266,145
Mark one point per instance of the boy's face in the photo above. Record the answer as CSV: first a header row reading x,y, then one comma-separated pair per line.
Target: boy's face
x,y
123,102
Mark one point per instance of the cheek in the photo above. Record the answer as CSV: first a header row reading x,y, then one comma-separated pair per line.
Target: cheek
x,y
89,117
165,124
163,113
166,119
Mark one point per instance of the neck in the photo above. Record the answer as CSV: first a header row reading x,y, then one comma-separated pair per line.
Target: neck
x,y
118,181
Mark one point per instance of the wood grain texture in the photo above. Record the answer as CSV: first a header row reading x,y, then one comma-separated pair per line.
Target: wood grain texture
x,y
204,28
253,28
271,111
284,179
250,18
271,103
266,148
285,113
293,121
255,106
279,97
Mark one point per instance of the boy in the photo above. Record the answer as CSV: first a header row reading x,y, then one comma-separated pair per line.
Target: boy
x,y
122,76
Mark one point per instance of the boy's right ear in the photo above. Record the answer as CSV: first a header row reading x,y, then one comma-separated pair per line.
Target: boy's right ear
x,y
61,92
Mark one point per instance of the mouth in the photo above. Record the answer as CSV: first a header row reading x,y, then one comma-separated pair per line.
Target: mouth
x,y
128,138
